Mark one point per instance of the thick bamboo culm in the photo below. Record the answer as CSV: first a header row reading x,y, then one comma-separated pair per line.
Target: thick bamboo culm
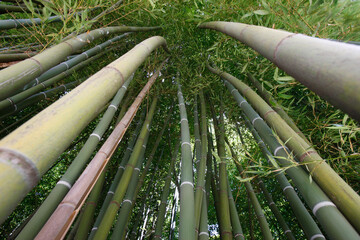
x,y
276,106
345,198
63,216
225,221
322,207
187,203
235,221
328,68
38,142
17,75
74,170
200,184
302,214
165,194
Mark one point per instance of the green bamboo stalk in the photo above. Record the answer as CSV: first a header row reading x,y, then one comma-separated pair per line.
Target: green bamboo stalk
x,y
200,185
226,231
276,212
118,175
165,194
43,95
203,229
235,221
12,8
74,170
328,68
127,203
10,57
121,225
17,75
73,61
264,226
89,209
39,142
322,207
197,135
120,191
276,106
19,23
187,216
9,105
304,218
345,198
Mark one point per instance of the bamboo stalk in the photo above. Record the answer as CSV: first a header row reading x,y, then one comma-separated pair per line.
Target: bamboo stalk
x,y
187,216
200,185
276,106
345,198
12,8
73,61
328,68
203,229
63,216
19,23
264,226
197,135
225,222
303,216
43,138
235,221
74,170
17,75
130,196
10,57
322,207
118,175
276,211
165,194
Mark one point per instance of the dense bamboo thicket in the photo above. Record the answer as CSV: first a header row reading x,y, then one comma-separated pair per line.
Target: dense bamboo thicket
x,y
246,132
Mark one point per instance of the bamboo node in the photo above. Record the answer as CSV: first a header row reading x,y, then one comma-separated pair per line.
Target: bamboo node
x,y
22,164
317,236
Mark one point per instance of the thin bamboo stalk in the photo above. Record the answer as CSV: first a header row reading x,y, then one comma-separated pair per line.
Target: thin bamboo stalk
x,y
197,135
127,203
17,75
321,205
200,185
12,8
276,106
306,221
73,61
118,175
235,221
165,194
203,229
345,198
225,222
120,191
264,226
276,211
74,170
10,105
19,23
37,143
63,216
328,68
187,216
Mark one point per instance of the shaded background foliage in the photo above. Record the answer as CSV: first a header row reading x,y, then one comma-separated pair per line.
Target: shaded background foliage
x,y
332,132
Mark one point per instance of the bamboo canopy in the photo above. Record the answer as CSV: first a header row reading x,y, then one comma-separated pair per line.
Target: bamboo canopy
x,y
38,148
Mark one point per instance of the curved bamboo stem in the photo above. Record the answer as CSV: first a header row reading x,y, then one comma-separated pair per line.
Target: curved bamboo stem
x,y
330,69
345,198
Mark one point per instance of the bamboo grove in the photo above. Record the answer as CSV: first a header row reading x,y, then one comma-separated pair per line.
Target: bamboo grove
x,y
179,119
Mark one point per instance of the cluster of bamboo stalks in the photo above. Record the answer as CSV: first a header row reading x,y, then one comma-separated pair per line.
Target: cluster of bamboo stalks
x,y
69,211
